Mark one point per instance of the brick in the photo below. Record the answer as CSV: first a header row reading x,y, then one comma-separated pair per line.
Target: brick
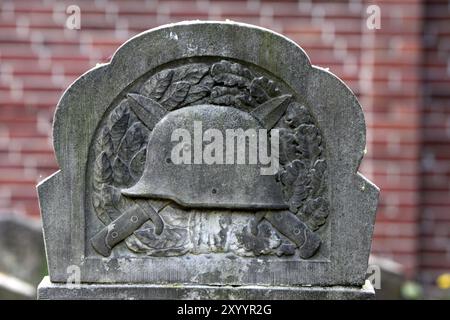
x,y
401,78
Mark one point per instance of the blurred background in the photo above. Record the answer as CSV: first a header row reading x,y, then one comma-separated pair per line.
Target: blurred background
x,y
393,54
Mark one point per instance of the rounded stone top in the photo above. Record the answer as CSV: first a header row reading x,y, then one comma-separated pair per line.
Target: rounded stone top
x,y
84,103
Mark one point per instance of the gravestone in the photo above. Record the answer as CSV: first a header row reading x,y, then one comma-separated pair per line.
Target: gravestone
x,y
208,160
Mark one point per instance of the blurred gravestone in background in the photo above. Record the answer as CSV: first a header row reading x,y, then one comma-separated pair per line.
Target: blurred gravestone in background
x,y
125,218
391,278
22,257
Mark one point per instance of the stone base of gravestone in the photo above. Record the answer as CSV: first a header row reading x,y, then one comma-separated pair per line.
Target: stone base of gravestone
x,y
49,290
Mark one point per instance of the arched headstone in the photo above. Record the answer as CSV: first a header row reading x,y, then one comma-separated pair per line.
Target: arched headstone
x,y
208,160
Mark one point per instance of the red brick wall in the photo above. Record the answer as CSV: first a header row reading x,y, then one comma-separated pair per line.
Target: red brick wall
x,y
390,84
399,72
434,189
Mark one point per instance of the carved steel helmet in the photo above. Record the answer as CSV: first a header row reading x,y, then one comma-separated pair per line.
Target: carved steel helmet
x,y
233,186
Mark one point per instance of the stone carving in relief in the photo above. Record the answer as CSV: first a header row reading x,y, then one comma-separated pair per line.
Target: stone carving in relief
x,y
168,225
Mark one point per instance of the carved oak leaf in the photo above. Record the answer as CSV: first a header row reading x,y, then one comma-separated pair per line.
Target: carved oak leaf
x,y
121,173
296,180
105,143
224,95
290,173
300,192
265,241
111,197
119,119
196,93
102,170
319,216
104,196
246,101
317,175
191,74
207,81
288,151
308,140
137,163
175,95
103,174
296,115
134,139
300,138
231,74
99,206
200,92
262,89
314,212
156,86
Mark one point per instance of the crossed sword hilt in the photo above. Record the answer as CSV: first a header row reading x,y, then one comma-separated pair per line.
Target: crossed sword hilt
x,y
142,211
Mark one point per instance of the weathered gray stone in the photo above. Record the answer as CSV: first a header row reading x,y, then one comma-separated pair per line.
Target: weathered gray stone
x,y
122,212
51,291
